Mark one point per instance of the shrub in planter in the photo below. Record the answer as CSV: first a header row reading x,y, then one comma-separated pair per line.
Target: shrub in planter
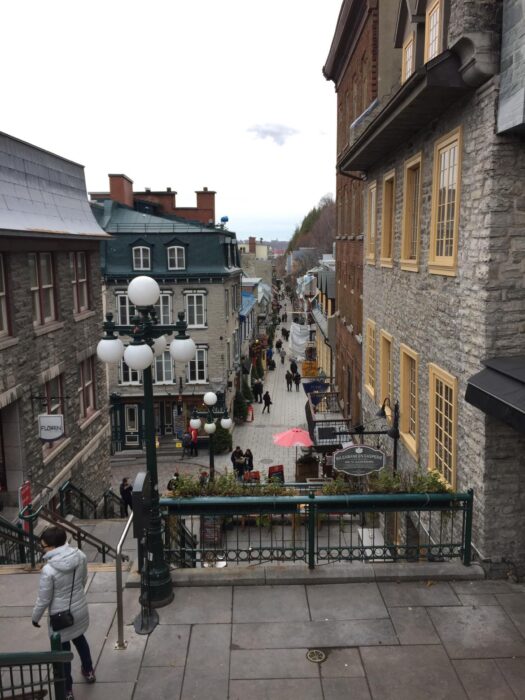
x,y
240,407
259,368
222,440
246,391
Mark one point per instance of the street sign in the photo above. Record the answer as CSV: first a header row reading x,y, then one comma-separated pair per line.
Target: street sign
x,y
24,499
358,460
50,426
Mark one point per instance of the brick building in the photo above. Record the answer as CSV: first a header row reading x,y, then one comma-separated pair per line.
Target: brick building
x,y
363,27
50,315
443,287
197,269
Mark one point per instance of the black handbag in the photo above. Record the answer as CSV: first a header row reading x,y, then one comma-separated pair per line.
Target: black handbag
x,y
62,620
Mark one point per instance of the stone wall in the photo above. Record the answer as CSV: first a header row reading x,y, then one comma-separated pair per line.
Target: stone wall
x,y
511,112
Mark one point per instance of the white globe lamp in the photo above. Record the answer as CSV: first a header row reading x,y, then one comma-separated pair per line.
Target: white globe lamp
x,y
138,356
226,422
210,428
183,349
210,398
159,345
143,291
110,349
195,423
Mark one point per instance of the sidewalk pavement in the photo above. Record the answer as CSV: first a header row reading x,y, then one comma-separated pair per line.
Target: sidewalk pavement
x,y
383,640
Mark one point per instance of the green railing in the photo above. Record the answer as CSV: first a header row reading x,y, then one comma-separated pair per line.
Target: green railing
x,y
32,675
319,529
73,501
16,545
113,505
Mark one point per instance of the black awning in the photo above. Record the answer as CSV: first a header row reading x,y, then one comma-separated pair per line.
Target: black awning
x,y
499,390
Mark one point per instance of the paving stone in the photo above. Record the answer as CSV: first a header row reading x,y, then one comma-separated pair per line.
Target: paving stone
x,y
477,599
117,666
280,689
103,691
270,604
194,605
514,606
19,589
159,682
198,688
418,593
272,663
514,672
481,587
332,633
167,646
351,688
345,601
477,633
413,626
411,673
342,663
209,652
482,679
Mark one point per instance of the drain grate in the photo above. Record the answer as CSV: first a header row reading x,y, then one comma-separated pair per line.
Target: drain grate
x,y
316,656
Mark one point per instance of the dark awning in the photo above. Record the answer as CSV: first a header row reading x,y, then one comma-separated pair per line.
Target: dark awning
x,y
499,390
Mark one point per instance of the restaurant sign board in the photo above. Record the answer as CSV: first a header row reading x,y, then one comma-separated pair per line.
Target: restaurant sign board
x,y
358,460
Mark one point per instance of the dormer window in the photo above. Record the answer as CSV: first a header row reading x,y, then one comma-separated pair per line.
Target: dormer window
x,y
407,67
433,29
176,258
141,258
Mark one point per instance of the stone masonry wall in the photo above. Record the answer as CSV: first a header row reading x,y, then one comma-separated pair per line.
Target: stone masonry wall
x,y
455,322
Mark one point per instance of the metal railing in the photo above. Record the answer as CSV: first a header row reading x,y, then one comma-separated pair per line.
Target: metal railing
x,y
73,501
15,544
113,503
121,642
319,529
32,675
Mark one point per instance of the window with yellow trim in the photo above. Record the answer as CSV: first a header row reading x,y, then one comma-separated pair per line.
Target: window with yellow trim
x,y
445,204
389,216
442,423
371,222
385,363
407,63
433,29
411,213
408,400
370,369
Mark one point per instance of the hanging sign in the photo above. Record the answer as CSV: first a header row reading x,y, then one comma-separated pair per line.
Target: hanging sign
x,y
24,499
50,427
358,460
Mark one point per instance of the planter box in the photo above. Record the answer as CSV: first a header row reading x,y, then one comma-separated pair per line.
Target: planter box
x,y
306,470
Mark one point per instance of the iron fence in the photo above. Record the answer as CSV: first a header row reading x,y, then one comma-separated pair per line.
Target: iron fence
x,y
316,530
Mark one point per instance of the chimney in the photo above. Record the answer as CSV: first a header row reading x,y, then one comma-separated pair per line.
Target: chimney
x,y
121,189
206,203
252,245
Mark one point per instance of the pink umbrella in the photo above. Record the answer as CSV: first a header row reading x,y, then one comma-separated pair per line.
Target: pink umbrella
x,y
295,437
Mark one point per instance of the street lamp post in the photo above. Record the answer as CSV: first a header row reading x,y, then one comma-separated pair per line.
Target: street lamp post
x,y
148,340
210,426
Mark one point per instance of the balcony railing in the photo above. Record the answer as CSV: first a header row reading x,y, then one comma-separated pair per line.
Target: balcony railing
x,y
314,530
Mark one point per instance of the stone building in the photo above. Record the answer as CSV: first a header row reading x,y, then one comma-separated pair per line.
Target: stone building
x,y
443,258
197,268
362,71
50,314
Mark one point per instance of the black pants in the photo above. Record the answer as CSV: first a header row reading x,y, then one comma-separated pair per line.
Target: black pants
x,y
82,647
266,406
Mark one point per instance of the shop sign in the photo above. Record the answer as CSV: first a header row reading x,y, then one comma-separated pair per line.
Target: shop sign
x,y
50,427
358,460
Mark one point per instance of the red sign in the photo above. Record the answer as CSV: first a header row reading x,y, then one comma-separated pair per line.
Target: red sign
x,y
24,499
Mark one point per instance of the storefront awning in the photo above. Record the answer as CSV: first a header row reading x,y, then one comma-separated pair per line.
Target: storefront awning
x,y
499,390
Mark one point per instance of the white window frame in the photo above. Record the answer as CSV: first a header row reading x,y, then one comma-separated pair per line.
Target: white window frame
x,y
192,318
200,373
39,290
179,257
164,370
135,378
78,261
125,311
86,387
140,258
164,309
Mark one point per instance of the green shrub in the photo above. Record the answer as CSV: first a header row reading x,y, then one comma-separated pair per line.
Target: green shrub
x,y
240,407
246,391
222,440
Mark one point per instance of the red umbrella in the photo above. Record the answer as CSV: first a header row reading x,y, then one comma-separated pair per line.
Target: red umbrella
x,y
295,437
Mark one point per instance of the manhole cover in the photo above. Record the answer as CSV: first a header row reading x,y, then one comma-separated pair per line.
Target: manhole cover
x,y
316,656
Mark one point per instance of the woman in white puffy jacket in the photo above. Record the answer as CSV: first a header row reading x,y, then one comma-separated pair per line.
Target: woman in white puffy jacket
x,y
56,588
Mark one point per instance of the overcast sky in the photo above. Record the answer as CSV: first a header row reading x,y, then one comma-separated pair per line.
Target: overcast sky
x,y
224,94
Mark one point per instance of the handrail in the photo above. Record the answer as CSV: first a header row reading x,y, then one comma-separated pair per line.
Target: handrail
x,y
79,534
121,642
69,486
110,495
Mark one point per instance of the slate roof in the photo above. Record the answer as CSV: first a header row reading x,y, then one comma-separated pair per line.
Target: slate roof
x,y
206,246
42,194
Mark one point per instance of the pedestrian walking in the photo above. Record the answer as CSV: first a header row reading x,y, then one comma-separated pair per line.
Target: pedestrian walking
x,y
278,344
289,380
284,317
237,459
267,402
194,444
293,367
61,590
186,443
258,390
297,380
269,354
282,353
248,460
126,490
